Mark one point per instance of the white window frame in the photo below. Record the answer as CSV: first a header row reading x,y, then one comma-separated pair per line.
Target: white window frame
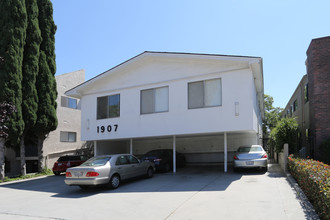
x,y
156,96
107,107
206,90
65,102
68,136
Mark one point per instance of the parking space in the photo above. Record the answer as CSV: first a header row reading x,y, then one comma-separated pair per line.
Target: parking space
x,y
199,192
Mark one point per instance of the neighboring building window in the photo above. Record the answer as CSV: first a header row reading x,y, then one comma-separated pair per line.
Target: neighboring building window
x,y
154,100
66,136
108,106
306,93
203,94
68,102
295,105
288,112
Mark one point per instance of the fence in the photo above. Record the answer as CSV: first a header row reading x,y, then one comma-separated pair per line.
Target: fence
x,y
283,158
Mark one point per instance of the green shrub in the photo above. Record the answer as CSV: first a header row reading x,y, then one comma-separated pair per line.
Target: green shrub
x,y
45,172
314,179
285,132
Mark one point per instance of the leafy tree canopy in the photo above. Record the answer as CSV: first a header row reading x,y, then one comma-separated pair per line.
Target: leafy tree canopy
x,y
272,115
6,110
286,131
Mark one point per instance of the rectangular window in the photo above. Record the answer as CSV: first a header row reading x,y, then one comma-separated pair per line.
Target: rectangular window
x,y
66,136
295,105
154,100
108,106
306,93
68,102
203,94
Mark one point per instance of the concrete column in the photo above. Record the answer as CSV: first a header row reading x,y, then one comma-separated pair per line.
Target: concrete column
x,y
131,146
286,155
95,148
174,154
225,151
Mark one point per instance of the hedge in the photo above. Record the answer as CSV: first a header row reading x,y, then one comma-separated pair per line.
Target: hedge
x,y
314,179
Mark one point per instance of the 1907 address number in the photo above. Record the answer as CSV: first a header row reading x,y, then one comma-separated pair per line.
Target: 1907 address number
x,y
108,128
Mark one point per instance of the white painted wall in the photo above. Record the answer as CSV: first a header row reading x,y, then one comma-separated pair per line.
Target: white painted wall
x,y
237,86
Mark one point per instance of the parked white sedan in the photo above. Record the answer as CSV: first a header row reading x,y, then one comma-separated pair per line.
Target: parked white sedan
x,y
108,170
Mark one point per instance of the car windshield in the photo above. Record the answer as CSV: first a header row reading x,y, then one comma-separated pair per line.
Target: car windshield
x,y
68,158
96,161
249,149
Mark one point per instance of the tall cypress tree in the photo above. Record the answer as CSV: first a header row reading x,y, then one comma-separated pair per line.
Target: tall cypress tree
x,y
46,83
13,23
30,70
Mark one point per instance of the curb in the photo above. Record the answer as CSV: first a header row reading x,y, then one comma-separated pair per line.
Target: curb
x,y
24,180
303,200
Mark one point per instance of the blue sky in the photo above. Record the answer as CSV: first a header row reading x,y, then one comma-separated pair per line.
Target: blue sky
x,y
98,35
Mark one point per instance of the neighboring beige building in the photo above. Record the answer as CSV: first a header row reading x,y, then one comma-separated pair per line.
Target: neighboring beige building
x,y
310,103
298,108
65,139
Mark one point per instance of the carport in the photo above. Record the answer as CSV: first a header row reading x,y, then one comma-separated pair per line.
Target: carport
x,y
209,148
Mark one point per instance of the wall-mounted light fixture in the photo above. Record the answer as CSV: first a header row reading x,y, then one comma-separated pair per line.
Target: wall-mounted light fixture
x,y
236,108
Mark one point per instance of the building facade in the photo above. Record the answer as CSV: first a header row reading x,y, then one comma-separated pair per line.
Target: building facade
x,y
64,140
202,105
310,103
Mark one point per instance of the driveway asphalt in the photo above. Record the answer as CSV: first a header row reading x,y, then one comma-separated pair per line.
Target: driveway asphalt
x,y
192,193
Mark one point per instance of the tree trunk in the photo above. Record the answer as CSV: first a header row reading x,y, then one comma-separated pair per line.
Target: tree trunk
x,y
41,158
2,158
23,160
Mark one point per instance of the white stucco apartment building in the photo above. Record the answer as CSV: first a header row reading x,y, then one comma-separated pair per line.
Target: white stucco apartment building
x,y
202,105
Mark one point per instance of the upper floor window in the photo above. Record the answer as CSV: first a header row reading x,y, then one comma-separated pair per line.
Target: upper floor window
x,y
68,102
295,105
108,106
66,136
306,93
154,100
203,94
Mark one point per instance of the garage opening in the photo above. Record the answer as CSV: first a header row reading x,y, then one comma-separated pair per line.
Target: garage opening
x,y
208,149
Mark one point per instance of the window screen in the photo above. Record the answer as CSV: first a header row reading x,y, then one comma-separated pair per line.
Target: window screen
x,y
108,106
154,100
68,102
204,93
66,136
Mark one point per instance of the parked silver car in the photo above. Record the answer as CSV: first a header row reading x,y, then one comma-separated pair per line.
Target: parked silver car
x,y
108,170
253,156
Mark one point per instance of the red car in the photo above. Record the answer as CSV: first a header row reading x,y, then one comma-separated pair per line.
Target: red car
x,y
68,161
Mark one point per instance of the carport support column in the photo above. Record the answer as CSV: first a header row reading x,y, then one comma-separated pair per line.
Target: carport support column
x,y
95,148
225,151
131,146
174,154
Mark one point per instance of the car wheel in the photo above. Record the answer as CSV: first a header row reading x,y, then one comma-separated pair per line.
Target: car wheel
x,y
57,173
150,172
114,181
83,187
265,169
